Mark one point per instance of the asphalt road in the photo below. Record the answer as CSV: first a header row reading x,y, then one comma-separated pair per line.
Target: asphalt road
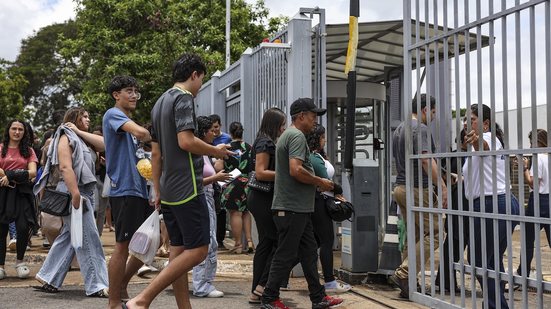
x,y
236,295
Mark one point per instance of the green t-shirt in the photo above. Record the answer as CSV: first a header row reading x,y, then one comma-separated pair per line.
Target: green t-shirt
x,y
319,165
289,193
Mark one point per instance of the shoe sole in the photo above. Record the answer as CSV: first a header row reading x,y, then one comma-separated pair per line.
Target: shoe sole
x,y
333,291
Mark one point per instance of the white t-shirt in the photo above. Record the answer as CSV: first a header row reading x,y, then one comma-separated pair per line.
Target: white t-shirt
x,y
543,173
472,179
330,169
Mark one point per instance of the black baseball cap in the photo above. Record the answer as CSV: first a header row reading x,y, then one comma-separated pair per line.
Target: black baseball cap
x,y
306,105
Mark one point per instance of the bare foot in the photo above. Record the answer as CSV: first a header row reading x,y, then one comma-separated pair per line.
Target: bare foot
x,y
132,304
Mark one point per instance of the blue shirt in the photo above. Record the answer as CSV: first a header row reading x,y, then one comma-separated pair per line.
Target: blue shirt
x,y
120,156
223,138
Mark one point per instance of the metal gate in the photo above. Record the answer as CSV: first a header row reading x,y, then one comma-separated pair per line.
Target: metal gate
x,y
509,70
272,74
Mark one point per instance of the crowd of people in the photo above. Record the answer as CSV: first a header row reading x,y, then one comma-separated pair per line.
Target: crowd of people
x,y
199,174
484,190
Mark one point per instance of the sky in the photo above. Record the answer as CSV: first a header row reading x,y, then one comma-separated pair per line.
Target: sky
x,y
20,19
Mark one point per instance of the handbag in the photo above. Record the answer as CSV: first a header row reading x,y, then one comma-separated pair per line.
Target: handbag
x,y
55,203
338,210
258,185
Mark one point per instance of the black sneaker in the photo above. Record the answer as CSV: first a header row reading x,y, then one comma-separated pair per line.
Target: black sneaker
x,y
402,284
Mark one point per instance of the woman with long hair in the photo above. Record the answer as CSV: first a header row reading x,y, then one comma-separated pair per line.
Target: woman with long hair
x,y
480,137
542,166
259,202
234,195
203,274
321,221
72,154
17,167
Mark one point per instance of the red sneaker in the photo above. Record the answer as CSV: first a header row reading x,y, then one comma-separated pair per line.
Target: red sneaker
x,y
328,302
277,304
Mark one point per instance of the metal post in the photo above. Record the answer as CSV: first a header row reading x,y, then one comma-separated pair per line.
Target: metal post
x,y
351,86
228,28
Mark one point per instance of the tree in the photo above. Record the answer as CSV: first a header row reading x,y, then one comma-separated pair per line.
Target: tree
x,y
11,98
142,38
42,66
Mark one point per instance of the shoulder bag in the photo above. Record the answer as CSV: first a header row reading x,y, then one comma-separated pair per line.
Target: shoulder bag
x,y
55,202
338,210
258,185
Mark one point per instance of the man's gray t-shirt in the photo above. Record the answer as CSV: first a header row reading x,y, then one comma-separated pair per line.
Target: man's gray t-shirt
x,y
182,171
419,131
289,193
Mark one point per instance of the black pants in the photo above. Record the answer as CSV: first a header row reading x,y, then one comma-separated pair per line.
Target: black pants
x,y
531,229
453,240
295,238
260,206
22,227
221,227
325,236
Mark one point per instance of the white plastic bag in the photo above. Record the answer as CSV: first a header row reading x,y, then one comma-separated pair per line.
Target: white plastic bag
x,y
76,226
106,189
145,242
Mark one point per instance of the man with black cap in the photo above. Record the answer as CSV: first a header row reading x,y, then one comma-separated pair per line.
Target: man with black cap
x,y
293,204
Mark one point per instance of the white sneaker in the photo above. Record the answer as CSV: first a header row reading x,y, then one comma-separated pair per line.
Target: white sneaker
x,y
215,294
145,270
23,270
12,244
2,273
337,287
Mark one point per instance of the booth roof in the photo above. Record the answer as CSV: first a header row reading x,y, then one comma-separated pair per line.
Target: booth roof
x,y
381,45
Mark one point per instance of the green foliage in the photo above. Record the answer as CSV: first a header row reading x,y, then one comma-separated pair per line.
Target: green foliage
x,y
43,67
11,100
462,112
142,38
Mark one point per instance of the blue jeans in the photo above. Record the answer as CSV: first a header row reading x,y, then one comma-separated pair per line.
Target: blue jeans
x,y
13,231
203,274
531,229
91,259
488,247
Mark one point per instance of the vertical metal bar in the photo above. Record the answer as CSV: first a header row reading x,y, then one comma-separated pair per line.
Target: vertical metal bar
x,y
548,76
535,158
497,261
459,165
518,72
481,189
505,98
469,157
441,223
409,147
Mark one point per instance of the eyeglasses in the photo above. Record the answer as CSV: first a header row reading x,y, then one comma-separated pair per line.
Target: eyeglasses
x,y
133,93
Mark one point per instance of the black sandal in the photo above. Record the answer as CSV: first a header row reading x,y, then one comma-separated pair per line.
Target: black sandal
x,y
46,288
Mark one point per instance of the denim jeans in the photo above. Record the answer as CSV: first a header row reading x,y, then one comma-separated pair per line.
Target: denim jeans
x,y
531,229
203,274
91,259
488,247
13,231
